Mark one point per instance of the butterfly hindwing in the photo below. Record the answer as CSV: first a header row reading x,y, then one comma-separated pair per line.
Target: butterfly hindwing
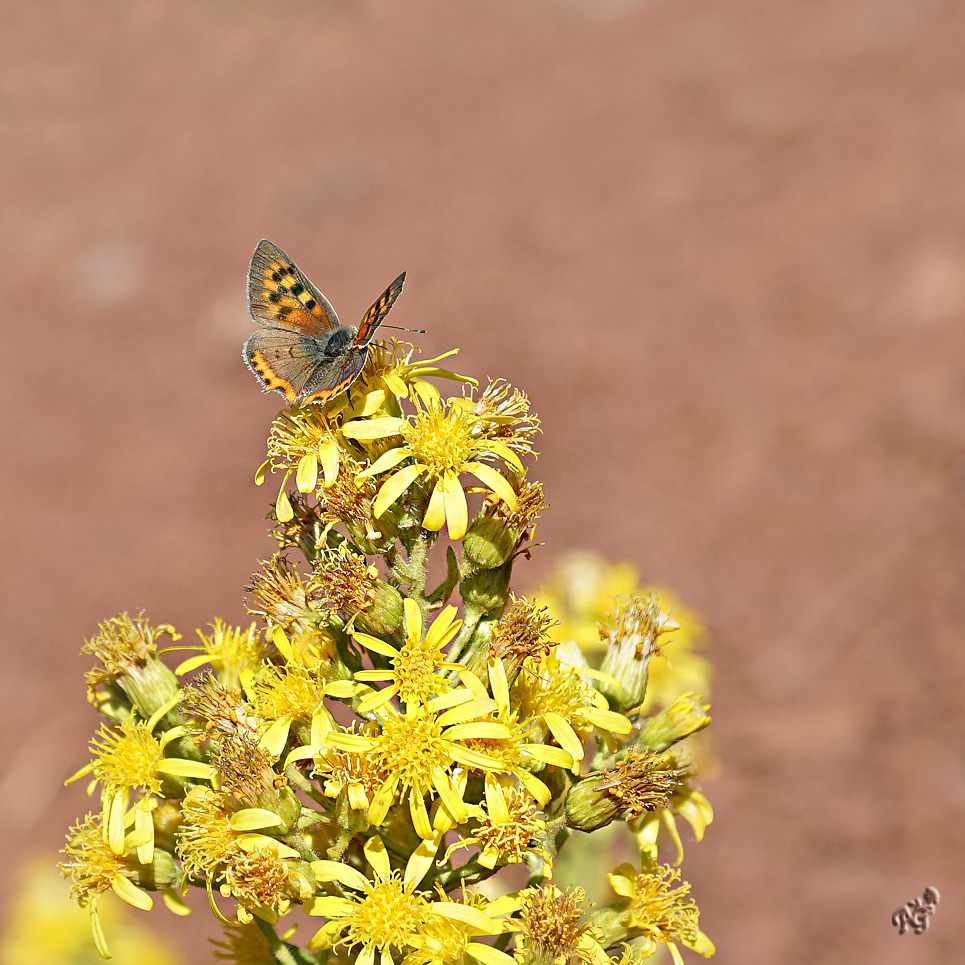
x,y
373,317
282,360
280,295
331,378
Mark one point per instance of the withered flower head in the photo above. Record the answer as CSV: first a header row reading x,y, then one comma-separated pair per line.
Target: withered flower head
x,y
281,596
638,783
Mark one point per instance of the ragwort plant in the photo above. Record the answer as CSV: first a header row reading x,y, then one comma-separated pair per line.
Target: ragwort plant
x,y
398,757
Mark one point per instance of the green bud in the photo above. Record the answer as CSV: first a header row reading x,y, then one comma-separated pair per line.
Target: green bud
x,y
489,542
486,592
588,806
685,716
639,782
161,873
384,616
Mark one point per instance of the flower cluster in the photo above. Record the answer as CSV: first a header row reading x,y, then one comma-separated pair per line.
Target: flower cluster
x,y
397,726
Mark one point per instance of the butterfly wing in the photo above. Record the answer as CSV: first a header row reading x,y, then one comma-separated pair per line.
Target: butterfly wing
x,y
280,296
282,360
373,317
334,376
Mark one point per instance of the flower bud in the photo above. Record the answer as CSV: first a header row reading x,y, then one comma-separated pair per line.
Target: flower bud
x,y
384,615
631,642
162,872
486,592
490,541
128,652
638,783
685,716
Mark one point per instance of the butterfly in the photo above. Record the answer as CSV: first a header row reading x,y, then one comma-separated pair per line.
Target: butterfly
x,y
302,350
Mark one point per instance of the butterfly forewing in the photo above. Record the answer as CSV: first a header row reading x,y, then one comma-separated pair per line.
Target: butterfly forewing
x,y
373,317
280,296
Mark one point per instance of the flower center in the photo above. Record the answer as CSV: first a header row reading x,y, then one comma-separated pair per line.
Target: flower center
x,y
441,440
387,915
415,671
410,747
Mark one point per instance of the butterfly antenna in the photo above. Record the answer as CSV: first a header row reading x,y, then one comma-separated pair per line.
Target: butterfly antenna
x,y
399,328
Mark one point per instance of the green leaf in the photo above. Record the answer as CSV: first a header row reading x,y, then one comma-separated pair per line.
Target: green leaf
x,y
444,590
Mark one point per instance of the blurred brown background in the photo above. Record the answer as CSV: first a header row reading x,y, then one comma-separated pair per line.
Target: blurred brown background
x,y
722,246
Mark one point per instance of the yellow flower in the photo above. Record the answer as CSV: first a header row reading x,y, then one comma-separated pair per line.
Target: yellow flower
x,y
585,590
220,842
130,760
233,653
685,801
555,694
95,867
390,375
443,440
416,668
385,912
659,912
550,929
302,441
505,832
417,751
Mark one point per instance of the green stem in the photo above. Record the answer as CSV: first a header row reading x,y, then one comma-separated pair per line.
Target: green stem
x,y
281,952
471,872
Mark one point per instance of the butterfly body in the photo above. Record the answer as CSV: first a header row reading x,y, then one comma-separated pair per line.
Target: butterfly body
x,y
302,350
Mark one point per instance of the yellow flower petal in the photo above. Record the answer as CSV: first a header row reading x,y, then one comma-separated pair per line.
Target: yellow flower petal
x,y
382,801
496,481
505,453
395,384
378,856
175,903
413,620
283,507
337,871
385,462
488,955
420,817
176,767
329,906
457,513
495,801
116,818
100,940
394,487
547,754
482,730
565,735
368,430
435,517
379,646
328,457
129,892
253,819
262,471
422,859
473,917
608,720
451,798
376,700
276,737
307,475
